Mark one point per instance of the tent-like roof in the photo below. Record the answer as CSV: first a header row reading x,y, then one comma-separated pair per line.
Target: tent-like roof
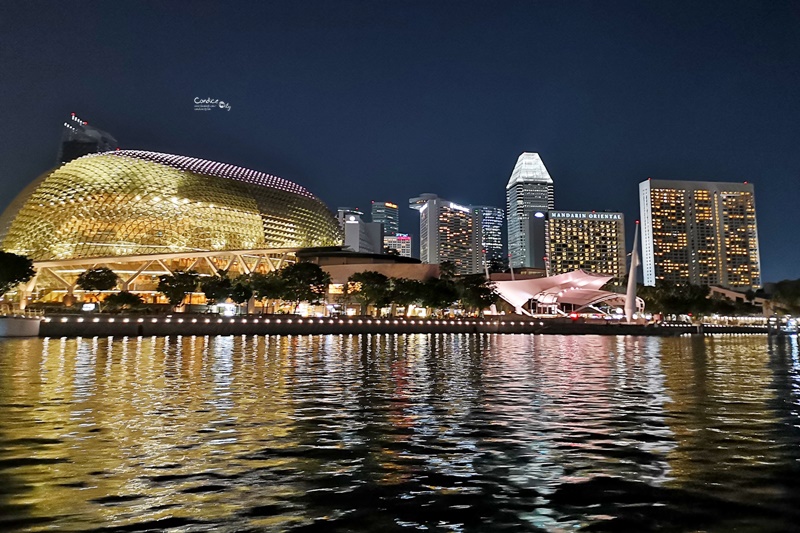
x,y
578,288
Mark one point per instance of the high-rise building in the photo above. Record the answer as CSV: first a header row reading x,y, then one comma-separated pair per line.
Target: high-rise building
x,y
488,223
79,139
446,233
529,190
591,241
400,242
360,236
699,232
387,214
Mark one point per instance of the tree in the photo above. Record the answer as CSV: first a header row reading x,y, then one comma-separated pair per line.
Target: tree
x,y
304,282
439,293
786,294
406,292
371,288
217,288
97,280
447,270
476,292
14,269
269,286
123,300
175,286
241,291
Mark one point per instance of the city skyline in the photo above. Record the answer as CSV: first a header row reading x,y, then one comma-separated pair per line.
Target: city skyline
x,y
359,102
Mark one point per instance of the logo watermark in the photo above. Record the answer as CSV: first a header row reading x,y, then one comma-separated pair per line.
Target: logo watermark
x,y
208,104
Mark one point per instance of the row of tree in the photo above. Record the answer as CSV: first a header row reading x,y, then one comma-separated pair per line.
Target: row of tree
x,y
304,282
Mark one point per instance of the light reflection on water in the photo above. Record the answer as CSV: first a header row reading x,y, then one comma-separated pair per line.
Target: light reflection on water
x,y
437,432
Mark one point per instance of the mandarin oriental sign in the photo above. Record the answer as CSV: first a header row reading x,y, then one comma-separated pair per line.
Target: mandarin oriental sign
x,y
584,215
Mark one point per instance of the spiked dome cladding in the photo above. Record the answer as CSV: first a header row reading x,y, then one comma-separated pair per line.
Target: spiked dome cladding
x,y
135,203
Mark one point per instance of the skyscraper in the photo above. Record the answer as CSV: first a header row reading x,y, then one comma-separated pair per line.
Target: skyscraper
x,y
488,223
591,241
446,233
387,214
529,189
79,139
699,232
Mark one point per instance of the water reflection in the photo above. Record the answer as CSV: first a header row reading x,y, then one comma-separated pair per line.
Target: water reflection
x,y
357,433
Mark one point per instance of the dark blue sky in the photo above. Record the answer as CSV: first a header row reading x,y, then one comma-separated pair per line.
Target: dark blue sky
x,y
385,100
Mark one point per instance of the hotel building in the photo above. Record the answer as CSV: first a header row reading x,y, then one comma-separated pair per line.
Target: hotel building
x,y
699,232
446,233
591,241
529,189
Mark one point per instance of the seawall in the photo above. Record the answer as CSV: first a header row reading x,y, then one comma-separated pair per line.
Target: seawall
x,y
178,324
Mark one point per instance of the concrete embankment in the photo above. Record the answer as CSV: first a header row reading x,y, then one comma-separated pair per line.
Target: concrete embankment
x,y
184,324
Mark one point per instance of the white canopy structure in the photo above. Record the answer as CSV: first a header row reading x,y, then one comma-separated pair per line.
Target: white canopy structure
x,y
578,289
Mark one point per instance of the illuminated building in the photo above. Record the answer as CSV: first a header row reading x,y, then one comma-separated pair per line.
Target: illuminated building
x,y
79,139
386,213
143,214
400,242
488,222
590,241
699,232
360,236
446,233
529,189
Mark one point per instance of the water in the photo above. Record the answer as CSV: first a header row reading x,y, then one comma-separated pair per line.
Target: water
x,y
400,433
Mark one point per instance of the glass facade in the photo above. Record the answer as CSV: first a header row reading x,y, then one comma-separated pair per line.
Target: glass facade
x,y
703,233
127,203
387,214
489,227
529,189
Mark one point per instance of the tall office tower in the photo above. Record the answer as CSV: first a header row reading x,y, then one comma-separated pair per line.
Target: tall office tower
x,y
591,241
79,139
529,190
400,242
446,233
387,214
699,232
488,223
360,236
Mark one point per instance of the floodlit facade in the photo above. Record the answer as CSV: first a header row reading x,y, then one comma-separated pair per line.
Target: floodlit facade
x,y
146,213
529,190
703,233
488,222
402,242
590,241
446,233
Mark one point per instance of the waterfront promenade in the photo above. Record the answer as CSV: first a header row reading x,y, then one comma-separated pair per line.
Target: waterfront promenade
x,y
188,324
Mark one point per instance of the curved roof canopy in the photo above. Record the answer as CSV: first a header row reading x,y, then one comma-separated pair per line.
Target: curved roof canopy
x,y
578,288
135,203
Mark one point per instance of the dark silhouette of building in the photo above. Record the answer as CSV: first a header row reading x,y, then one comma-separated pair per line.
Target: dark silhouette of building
x,y
79,139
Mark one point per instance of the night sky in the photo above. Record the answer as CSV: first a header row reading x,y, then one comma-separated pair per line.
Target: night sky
x,y
380,100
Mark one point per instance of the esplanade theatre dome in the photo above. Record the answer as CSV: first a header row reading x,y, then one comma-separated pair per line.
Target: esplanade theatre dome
x,y
129,203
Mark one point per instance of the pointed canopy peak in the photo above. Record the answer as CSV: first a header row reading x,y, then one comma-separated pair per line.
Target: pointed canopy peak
x,y
529,169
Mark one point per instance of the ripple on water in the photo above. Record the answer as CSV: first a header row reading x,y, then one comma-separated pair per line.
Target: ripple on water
x,y
394,432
